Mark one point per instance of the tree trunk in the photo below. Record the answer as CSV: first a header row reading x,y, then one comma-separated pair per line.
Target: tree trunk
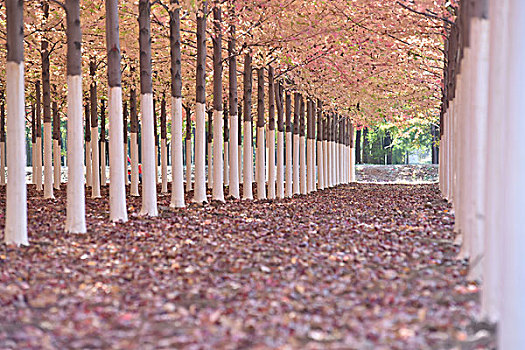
x,y
57,162
125,116
177,182
289,146
103,141
88,147
261,149
225,117
133,144
310,155
95,159
163,146
75,218
235,135
218,140
209,151
16,195
366,147
302,148
117,173
358,146
149,184
38,126
247,137
188,150
2,140
48,142
296,144
271,134
280,141
199,194
156,138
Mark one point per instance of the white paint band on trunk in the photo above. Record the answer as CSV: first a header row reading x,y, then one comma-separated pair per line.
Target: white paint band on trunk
x,y
57,164
117,187
189,183
280,165
302,164
247,162
75,210
16,195
89,163
2,163
226,172
234,156
296,175
164,165
38,160
48,161
271,164
149,183
199,194
309,165
320,171
95,174
240,158
103,165
218,162
261,164
210,165
177,161
289,164
134,150
125,158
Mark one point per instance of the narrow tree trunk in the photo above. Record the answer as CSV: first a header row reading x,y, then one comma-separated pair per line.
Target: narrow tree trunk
x,y
163,147
296,144
261,149
103,142
188,151
117,173
209,151
75,218
302,148
2,140
57,162
310,156
271,134
88,149
133,144
320,154
33,144
48,142
157,143
177,166
280,142
225,117
240,143
358,146
16,196
366,147
218,140
38,125
289,146
95,173
125,116
247,137
235,135
199,194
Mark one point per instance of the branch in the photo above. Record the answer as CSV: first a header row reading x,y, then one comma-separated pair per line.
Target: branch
x,y
425,14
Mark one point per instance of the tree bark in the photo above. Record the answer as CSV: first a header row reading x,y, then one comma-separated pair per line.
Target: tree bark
x,y
48,142
134,146
75,217
57,144
289,146
247,137
218,140
261,149
95,163
235,125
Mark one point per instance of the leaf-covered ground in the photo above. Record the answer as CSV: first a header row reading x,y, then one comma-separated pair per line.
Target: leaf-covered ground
x,y
362,266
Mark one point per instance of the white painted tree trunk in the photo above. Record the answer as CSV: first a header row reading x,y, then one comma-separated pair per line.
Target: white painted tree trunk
x,y
234,156
189,183
117,188
226,172
95,173
495,203
2,164
240,159
75,210
199,194
296,171
38,168
149,183
126,179
16,196
280,165
103,165
89,164
334,164
57,169
320,170
177,162
157,178
341,163
261,164
326,180
33,162
134,148
352,165
309,165
247,162
210,165
289,164
302,164
271,164
164,165
48,162
218,162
